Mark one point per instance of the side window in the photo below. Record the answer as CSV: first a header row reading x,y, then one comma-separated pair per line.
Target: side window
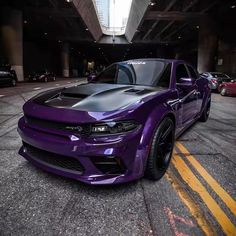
x,y
192,72
164,80
108,75
181,72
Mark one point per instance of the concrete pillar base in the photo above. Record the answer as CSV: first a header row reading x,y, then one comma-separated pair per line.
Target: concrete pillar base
x,y
66,73
75,72
19,72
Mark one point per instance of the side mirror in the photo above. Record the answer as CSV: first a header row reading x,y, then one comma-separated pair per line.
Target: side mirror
x,y
91,77
186,81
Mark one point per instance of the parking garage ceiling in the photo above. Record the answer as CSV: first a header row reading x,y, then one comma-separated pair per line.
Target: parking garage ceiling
x,y
156,22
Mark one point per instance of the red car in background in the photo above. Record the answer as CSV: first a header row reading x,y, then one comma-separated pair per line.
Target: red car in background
x,y
228,88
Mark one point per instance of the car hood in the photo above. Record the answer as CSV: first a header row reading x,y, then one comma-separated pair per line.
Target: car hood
x,y
96,97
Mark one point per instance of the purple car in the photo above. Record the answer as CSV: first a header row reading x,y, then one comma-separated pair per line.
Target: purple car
x,y
118,127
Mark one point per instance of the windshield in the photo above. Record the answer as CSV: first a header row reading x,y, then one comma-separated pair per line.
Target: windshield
x,y
149,73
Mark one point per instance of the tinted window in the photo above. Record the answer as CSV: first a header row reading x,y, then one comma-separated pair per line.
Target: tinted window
x,y
149,73
181,72
108,75
192,72
164,80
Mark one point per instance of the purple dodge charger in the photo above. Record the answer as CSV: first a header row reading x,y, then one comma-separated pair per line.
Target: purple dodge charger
x,y
118,127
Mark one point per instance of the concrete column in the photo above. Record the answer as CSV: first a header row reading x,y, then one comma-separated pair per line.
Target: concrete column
x,y
207,45
65,58
12,38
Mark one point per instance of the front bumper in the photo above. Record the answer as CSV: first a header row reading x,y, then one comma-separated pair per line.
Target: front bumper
x,y
91,152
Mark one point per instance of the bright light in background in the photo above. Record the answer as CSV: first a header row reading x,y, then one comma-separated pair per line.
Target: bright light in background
x,y
119,12
113,15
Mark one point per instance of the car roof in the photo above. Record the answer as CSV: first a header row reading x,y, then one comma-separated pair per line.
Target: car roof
x,y
155,59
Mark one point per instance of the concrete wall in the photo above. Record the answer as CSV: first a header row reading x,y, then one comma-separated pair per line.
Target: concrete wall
x,y
137,11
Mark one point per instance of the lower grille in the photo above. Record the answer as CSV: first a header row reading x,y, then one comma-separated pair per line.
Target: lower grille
x,y
109,165
55,160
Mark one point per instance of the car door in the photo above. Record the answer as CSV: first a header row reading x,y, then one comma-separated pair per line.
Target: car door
x,y
187,95
194,75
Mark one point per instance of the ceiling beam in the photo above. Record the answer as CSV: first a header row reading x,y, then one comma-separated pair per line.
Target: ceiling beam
x,y
54,12
185,24
88,13
136,17
172,15
190,5
169,6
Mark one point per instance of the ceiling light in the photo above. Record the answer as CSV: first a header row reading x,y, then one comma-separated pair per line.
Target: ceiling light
x,y
94,41
59,41
179,37
197,27
25,21
86,29
69,0
45,33
233,6
152,3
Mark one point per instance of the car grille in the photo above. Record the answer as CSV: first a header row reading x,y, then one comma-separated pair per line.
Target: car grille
x,y
55,160
109,165
74,128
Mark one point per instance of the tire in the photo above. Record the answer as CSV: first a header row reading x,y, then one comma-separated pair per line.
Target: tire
x,y
206,112
223,91
161,150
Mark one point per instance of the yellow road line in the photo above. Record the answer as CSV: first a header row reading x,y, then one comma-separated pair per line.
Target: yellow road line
x,y
193,182
194,209
226,198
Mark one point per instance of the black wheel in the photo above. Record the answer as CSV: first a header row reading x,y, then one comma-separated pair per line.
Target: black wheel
x,y
206,112
223,91
13,83
161,150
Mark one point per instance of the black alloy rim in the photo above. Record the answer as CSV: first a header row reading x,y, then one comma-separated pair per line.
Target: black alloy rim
x,y
165,146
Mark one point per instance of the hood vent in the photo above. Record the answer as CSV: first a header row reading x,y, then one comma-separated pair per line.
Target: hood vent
x,y
74,95
138,91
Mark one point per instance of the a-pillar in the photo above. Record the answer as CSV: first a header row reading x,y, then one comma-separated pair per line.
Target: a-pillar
x,y
65,56
207,45
12,38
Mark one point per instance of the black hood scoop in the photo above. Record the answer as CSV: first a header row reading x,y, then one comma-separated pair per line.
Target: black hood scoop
x,y
98,97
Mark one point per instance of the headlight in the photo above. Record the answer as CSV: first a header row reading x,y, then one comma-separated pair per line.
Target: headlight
x,y
114,127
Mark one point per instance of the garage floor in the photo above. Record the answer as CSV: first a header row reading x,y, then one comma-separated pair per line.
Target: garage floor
x,y
196,197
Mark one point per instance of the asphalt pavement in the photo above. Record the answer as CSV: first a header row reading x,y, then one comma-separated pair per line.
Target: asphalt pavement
x,y
196,197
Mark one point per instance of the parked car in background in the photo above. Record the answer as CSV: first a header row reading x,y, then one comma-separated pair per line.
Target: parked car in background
x,y
216,78
43,76
117,128
7,76
91,76
228,88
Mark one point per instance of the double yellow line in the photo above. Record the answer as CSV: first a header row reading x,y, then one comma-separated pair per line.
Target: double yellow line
x,y
193,182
